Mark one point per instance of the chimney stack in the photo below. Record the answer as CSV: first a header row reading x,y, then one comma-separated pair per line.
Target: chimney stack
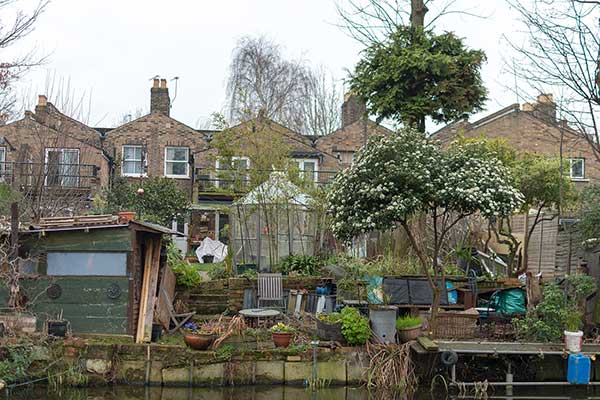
x,y
353,109
545,108
159,97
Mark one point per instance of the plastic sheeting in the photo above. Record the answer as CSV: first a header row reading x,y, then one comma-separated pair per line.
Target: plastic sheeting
x,y
411,291
210,247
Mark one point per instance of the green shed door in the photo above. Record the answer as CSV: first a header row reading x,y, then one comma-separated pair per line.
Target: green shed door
x,y
90,289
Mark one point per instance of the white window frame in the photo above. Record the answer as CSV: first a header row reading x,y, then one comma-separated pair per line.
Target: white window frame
x,y
76,178
233,158
145,159
3,168
187,162
577,178
301,162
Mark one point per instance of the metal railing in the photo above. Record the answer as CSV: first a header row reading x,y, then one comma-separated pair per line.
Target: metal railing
x,y
50,175
239,180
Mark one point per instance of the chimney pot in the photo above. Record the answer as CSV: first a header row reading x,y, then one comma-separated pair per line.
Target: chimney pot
x,y
527,107
155,83
42,100
545,98
163,83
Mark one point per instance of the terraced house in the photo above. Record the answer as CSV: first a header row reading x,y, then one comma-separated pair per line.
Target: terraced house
x,y
52,156
534,128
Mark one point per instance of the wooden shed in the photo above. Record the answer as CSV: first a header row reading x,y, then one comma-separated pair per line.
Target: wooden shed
x,y
99,273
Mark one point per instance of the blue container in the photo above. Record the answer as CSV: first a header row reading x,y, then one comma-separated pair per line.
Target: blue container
x,y
579,369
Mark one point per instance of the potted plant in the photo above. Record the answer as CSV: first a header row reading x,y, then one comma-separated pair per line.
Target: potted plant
x,y
197,338
573,335
329,327
408,327
282,334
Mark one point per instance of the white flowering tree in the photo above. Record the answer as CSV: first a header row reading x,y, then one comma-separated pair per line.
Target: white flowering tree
x,y
399,177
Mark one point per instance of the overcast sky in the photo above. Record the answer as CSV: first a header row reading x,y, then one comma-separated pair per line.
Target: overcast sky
x,y
112,49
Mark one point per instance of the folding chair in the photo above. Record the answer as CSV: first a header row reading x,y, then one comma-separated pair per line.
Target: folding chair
x,y
270,289
177,319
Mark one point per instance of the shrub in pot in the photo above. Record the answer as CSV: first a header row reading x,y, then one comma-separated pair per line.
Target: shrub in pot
x,y
282,334
197,338
408,327
329,327
355,327
573,336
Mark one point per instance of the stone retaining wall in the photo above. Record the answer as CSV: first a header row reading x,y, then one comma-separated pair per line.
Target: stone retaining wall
x,y
177,365
217,296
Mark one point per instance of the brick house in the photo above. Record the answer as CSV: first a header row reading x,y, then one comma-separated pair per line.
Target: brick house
x,y
53,159
534,128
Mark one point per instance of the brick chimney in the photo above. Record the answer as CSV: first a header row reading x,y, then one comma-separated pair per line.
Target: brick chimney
x,y
159,97
353,109
545,108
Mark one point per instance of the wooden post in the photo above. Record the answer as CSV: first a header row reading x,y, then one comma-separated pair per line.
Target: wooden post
x,y
14,231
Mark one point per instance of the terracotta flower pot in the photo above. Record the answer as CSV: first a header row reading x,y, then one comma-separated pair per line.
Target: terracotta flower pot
x,y
408,334
198,342
282,339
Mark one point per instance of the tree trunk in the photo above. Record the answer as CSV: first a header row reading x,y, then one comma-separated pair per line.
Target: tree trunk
x,y
417,13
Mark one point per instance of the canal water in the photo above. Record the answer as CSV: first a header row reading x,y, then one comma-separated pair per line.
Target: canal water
x,y
276,393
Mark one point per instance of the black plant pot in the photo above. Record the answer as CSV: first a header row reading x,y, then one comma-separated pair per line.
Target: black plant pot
x,y
157,331
58,328
208,259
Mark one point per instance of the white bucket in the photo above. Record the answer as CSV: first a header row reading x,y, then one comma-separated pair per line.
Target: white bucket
x,y
573,341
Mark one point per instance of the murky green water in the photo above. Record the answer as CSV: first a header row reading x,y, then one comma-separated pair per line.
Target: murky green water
x,y
275,393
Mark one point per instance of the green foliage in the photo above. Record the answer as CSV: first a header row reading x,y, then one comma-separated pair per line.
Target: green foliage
x,y
14,366
408,321
331,318
558,310
219,271
187,275
400,176
417,74
161,202
7,197
225,352
299,264
589,225
355,327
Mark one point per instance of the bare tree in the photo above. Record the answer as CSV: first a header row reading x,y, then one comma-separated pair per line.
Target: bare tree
x,y
373,21
286,91
561,55
321,104
12,68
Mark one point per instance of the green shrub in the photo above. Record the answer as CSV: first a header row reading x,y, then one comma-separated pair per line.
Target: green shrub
x,y
557,311
299,264
219,271
355,327
408,321
185,273
331,318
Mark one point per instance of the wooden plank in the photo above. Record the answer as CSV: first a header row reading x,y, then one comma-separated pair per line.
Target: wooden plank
x,y
113,239
167,284
427,343
76,290
139,337
69,311
154,269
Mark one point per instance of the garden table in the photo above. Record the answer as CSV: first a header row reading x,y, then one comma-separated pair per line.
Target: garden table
x,y
254,316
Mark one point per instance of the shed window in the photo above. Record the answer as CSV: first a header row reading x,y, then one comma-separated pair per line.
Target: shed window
x,y
134,161
176,162
74,263
577,170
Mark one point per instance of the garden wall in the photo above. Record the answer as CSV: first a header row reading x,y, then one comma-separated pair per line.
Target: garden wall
x,y
217,296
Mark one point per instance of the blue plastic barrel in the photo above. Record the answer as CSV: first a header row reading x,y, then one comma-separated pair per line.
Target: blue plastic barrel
x,y
579,369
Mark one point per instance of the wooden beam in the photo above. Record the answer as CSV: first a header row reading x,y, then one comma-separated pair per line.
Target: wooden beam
x,y
152,286
139,337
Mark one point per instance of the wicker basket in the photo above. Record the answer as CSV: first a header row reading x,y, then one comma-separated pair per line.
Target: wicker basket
x,y
457,324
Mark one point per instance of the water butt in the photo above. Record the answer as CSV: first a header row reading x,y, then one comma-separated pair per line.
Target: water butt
x,y
383,323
